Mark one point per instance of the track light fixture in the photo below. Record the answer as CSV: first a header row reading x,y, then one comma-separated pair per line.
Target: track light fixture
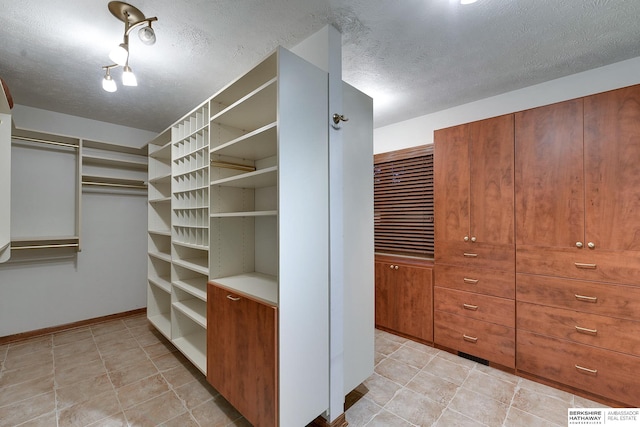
x,y
132,18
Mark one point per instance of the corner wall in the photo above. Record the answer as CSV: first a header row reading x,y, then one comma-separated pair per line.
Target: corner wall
x,y
109,275
419,131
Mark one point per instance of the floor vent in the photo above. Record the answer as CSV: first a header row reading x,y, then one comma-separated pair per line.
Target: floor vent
x,y
474,358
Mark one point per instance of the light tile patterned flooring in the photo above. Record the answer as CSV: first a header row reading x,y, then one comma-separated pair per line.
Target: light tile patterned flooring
x,y
124,373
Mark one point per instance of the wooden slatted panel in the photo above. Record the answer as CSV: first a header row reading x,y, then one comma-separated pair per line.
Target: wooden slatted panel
x,y
403,201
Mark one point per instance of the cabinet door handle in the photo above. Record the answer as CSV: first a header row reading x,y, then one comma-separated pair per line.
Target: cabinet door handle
x,y
470,307
586,298
232,298
586,370
469,339
585,266
586,330
471,281
468,255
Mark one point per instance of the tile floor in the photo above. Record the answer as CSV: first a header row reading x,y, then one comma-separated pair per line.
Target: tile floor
x,y
124,373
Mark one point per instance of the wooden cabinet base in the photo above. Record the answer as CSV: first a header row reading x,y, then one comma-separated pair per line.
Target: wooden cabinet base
x,y
489,341
601,372
341,421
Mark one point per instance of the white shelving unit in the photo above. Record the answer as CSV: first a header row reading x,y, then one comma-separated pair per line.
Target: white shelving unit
x,y
190,234
113,166
5,174
159,225
269,215
239,196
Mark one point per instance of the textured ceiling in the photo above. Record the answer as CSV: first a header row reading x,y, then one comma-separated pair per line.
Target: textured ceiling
x,y
412,56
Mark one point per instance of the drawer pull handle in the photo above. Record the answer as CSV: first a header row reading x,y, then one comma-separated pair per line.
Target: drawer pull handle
x,y
232,298
586,370
468,255
470,307
586,331
586,298
471,281
470,339
585,266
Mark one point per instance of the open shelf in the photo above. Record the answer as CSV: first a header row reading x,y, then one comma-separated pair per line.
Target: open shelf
x,y
161,256
163,282
195,287
258,286
162,322
255,110
194,309
267,177
194,347
258,144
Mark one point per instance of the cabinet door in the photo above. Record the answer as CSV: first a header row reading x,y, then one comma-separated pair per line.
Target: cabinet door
x,y
242,354
451,184
612,181
549,184
384,295
491,154
413,287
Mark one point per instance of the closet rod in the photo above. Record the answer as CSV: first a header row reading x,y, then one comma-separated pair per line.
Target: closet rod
x,y
229,165
62,245
44,141
106,184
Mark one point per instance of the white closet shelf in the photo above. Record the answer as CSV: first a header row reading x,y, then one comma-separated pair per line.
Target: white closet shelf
x,y
257,76
107,181
191,245
111,162
195,287
160,200
194,308
199,265
259,286
267,177
161,256
45,242
162,322
114,148
194,347
243,214
161,232
190,171
191,152
190,133
162,153
161,179
254,111
259,144
161,282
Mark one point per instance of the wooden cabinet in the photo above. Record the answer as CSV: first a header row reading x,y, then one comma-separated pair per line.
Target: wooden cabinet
x,y
577,240
242,355
404,301
474,229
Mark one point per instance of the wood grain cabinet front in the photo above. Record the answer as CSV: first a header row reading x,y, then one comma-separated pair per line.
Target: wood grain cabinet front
x,y
242,353
475,306
598,371
404,297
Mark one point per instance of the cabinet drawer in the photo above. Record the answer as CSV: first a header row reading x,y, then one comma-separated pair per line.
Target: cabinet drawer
x,y
602,372
489,341
476,306
605,299
496,257
586,328
587,264
479,280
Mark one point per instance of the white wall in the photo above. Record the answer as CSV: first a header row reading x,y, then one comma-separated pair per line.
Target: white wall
x,y
419,131
109,275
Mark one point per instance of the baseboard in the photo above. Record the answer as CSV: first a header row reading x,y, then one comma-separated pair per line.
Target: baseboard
x,y
341,421
40,332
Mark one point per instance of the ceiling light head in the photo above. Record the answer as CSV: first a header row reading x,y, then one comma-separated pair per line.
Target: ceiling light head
x,y
467,1
128,78
147,35
108,83
120,55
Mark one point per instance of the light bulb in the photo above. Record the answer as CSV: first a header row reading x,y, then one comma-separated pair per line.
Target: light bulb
x,y
128,78
120,54
467,1
109,84
147,35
